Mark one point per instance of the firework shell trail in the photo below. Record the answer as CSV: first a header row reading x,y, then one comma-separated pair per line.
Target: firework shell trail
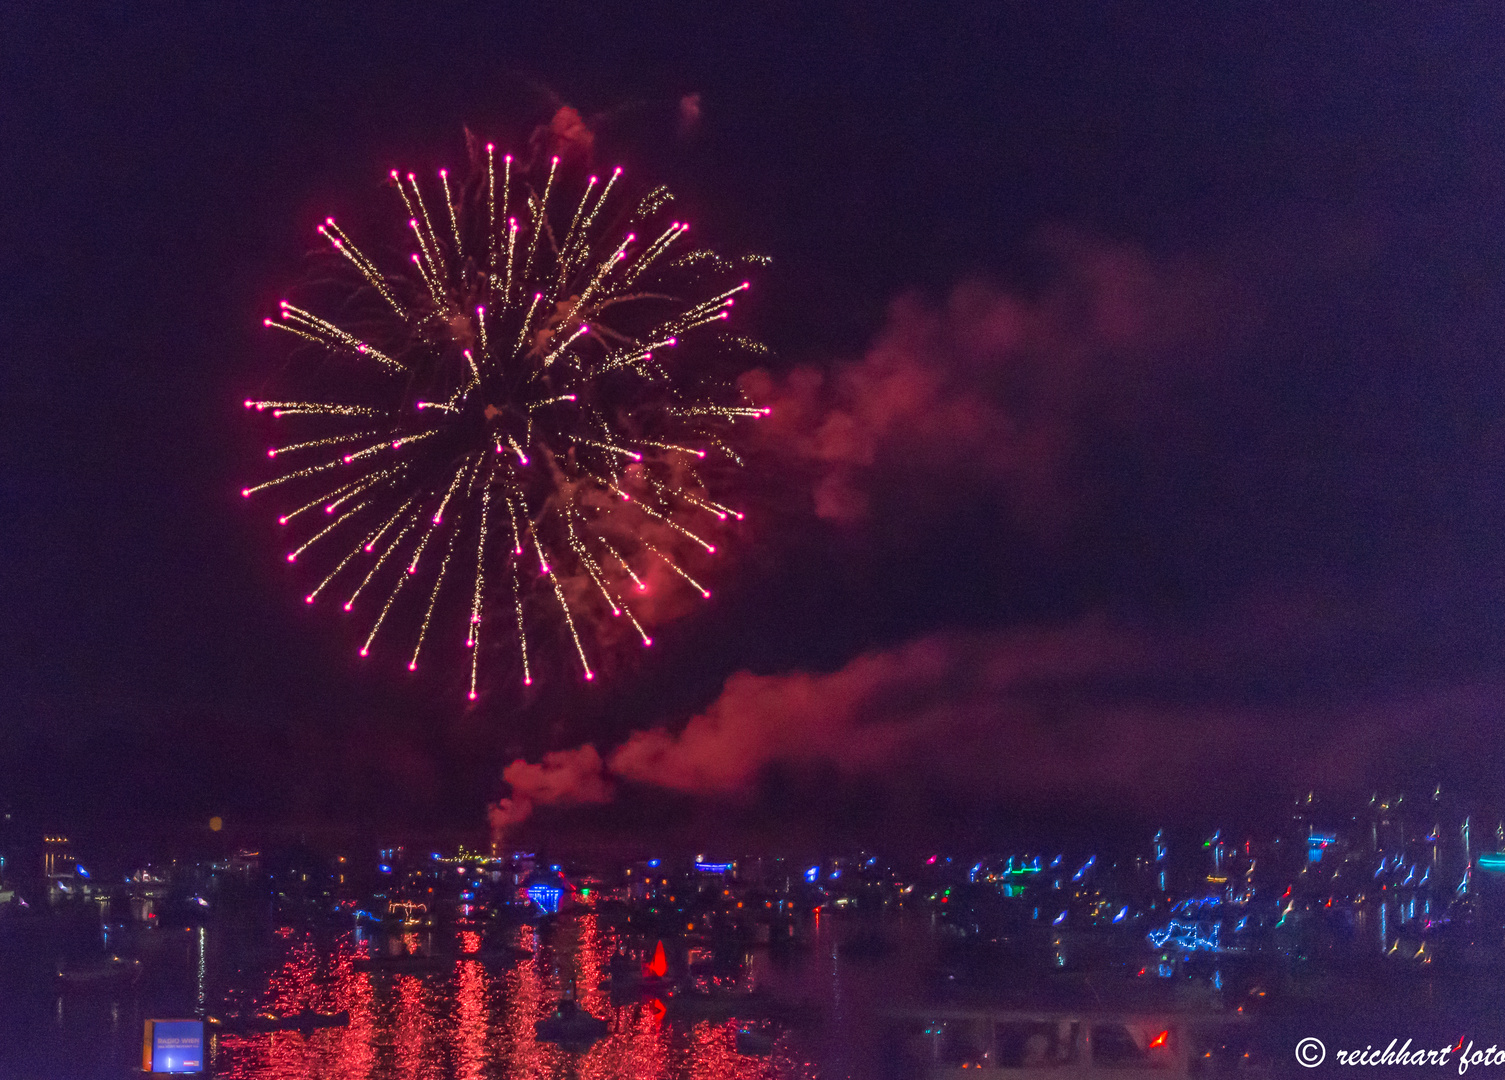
x,y
516,428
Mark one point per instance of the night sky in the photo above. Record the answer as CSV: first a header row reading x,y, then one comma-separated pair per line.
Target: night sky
x,y
1137,447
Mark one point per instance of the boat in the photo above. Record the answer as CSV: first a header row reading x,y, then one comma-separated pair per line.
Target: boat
x,y
499,954
111,974
726,1004
406,962
753,1043
570,1025
630,984
943,1043
305,1021
629,976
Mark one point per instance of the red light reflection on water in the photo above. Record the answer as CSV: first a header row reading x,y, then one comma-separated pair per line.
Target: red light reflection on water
x,y
296,986
713,1052
469,1021
638,1044
414,1035
591,952
529,997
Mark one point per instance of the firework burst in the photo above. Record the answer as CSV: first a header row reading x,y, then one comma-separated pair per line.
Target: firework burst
x,y
508,440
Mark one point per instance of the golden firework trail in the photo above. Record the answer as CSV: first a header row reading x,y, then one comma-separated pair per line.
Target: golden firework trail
x,y
534,367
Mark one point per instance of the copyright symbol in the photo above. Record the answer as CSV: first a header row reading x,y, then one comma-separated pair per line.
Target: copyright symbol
x,y
1310,1052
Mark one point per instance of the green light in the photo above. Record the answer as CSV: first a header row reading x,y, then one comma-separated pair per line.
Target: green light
x,y
585,892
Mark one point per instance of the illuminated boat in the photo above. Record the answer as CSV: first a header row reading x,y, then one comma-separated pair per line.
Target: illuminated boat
x,y
647,977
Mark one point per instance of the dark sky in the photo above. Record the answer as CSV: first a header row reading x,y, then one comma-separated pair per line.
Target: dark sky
x,y
1146,361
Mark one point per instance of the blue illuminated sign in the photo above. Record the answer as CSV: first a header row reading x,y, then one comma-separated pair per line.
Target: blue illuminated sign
x,y
1317,843
546,897
173,1046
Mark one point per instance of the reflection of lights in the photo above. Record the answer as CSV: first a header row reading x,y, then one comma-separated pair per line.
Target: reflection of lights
x,y
1292,905
468,1022
201,971
413,1034
1198,904
470,1015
